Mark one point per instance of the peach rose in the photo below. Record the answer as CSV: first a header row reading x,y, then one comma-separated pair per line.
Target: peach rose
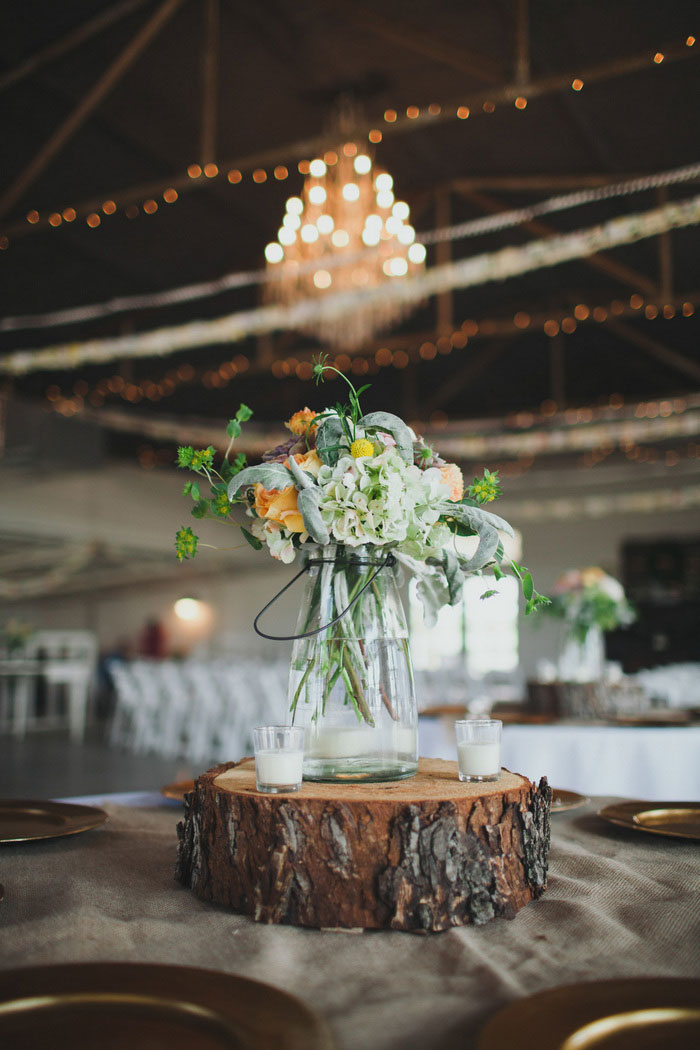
x,y
279,505
308,461
299,423
452,477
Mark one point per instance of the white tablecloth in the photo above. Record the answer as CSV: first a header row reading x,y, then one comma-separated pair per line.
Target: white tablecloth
x,y
633,762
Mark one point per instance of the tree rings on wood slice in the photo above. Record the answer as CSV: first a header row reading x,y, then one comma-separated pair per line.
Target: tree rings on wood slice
x,y
423,854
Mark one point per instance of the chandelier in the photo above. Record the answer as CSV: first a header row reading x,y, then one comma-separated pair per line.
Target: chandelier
x,y
345,232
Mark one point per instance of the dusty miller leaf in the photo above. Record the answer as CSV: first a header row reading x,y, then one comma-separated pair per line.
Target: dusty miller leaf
x,y
395,426
308,504
270,475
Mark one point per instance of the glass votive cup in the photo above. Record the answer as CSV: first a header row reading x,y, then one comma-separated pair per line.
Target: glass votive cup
x,y
279,758
478,749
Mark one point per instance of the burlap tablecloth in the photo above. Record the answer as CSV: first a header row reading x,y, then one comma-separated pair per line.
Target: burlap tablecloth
x,y
619,904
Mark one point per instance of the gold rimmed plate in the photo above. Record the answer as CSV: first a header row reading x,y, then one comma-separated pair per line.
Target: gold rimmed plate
x,y
563,800
630,1014
178,790
24,819
680,820
118,1006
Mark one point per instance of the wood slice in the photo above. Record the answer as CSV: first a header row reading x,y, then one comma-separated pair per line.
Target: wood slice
x,y
421,854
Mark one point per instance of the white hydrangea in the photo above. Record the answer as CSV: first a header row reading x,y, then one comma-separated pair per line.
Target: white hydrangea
x,y
379,500
277,538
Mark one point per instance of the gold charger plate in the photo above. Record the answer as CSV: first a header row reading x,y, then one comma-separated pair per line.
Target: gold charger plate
x,y
563,800
120,1006
680,820
178,790
24,819
644,1013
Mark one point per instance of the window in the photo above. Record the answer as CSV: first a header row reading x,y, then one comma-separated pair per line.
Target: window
x,y
481,634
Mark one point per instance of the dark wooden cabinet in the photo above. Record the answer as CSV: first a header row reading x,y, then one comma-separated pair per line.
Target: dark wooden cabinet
x,y
662,579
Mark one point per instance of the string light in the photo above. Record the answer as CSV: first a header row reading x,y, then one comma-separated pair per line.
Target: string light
x,y
384,357
280,171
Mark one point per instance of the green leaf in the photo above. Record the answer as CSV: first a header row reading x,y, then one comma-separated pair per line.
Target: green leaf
x,y
302,479
487,594
396,427
271,475
200,509
528,586
244,413
308,503
184,456
330,440
252,540
187,489
483,524
195,492
233,430
453,575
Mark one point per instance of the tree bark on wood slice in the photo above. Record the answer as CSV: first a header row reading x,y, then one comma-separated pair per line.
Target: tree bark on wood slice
x,y
422,854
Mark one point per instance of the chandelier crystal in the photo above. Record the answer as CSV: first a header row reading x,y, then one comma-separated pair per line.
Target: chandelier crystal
x,y
345,232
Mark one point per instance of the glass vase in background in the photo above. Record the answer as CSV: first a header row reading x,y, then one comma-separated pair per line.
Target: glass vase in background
x,y
583,661
351,685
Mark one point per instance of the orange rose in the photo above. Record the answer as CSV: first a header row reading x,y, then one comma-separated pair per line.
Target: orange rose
x,y
279,505
452,477
299,423
308,461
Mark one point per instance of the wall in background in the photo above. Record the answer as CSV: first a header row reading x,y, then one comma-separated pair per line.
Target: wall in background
x,y
136,507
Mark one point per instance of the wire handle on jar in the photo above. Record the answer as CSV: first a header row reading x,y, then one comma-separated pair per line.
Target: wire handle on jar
x,y
389,561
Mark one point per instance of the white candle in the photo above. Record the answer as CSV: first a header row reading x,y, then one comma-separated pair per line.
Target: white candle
x,y
402,739
275,768
479,759
341,742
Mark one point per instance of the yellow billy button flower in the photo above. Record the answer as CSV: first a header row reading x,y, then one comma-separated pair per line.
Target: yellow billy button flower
x,y
361,448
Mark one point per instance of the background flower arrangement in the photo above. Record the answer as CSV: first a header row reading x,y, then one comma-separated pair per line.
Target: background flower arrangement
x,y
357,480
590,598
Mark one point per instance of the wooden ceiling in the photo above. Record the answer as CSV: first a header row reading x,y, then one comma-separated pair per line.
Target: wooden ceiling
x,y
102,111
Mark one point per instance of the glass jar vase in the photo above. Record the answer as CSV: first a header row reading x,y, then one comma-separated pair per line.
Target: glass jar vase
x,y
351,683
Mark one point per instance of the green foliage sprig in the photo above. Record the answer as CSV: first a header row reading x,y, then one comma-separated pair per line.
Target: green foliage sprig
x,y
216,504
533,600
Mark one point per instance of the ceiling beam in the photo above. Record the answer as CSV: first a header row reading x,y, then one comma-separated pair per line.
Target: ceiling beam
x,y
210,81
656,349
418,40
68,42
625,274
665,253
475,365
522,42
102,86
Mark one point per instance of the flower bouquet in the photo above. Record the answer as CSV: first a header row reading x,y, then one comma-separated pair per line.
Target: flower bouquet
x,y
590,602
357,497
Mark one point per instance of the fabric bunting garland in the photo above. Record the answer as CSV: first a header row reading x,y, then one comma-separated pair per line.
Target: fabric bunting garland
x,y
464,273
